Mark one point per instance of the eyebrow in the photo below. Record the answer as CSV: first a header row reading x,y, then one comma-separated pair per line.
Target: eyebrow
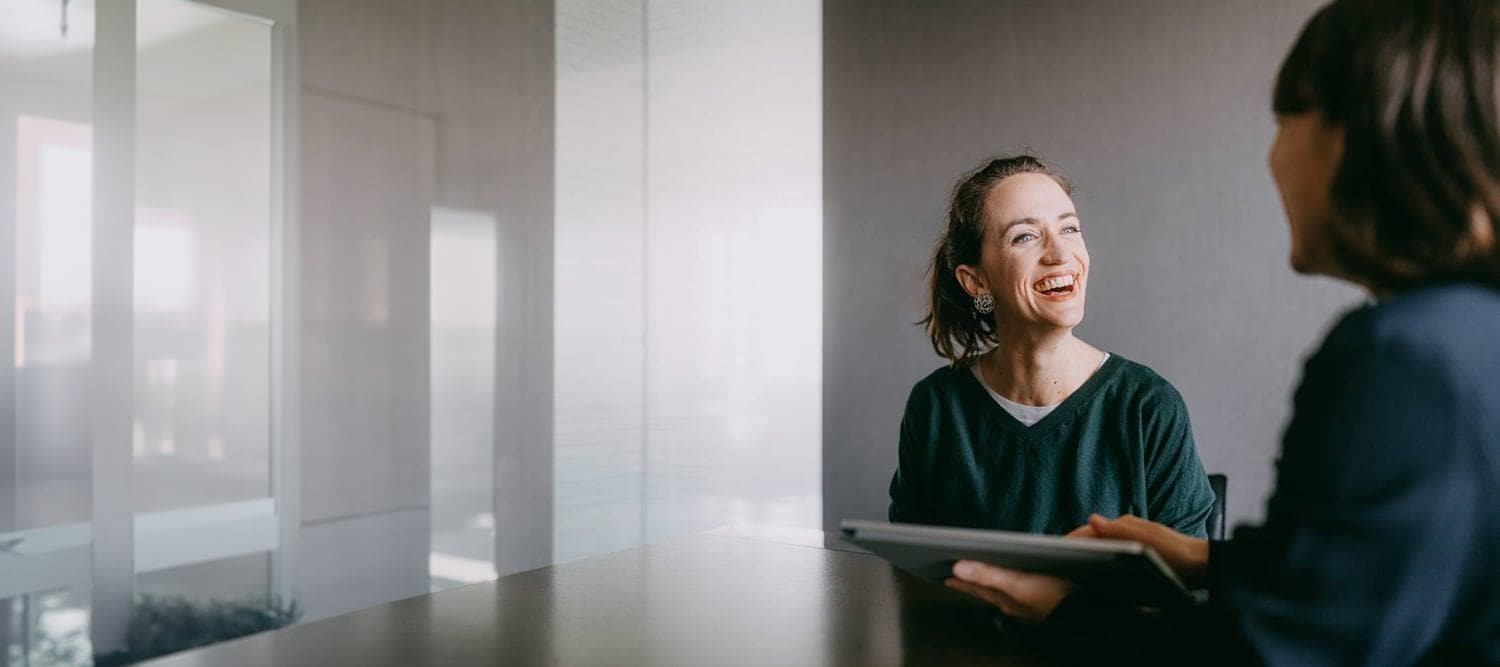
x,y
1034,221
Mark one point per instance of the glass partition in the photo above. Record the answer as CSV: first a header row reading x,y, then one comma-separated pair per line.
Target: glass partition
x,y
201,437
46,151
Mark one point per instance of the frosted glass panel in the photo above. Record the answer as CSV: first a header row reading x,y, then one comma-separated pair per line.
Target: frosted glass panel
x,y
734,265
52,322
202,257
600,279
689,269
46,199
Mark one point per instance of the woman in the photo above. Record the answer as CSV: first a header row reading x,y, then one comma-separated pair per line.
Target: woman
x,y
1030,428
1380,539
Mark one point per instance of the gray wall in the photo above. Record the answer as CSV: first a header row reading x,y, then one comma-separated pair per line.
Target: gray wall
x,y
1159,113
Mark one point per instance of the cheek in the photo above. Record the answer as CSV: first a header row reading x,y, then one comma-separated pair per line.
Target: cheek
x,y
1006,269
1292,185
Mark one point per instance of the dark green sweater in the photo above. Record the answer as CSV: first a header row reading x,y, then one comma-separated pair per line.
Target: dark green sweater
x,y
1121,444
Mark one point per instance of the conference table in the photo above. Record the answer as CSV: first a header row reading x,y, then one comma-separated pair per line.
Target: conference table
x,y
739,595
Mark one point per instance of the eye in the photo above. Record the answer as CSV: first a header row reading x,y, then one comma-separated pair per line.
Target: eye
x,y
1022,238
1072,229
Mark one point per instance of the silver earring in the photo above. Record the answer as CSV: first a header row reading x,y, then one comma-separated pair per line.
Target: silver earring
x,y
984,303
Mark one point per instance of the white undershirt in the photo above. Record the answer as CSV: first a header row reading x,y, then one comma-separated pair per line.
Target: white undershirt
x,y
1026,414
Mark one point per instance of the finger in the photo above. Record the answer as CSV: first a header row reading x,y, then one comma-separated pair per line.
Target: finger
x,y
1126,527
1083,531
993,597
985,575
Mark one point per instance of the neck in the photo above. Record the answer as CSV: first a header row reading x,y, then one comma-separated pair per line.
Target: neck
x,y
1038,368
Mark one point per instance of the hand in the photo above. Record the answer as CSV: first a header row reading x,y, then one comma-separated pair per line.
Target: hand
x,y
1188,556
1020,595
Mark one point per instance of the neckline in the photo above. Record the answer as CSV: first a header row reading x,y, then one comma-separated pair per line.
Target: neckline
x,y
1063,411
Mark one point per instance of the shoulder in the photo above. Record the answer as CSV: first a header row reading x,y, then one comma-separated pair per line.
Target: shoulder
x,y
941,385
1138,384
1398,389
1442,329
942,397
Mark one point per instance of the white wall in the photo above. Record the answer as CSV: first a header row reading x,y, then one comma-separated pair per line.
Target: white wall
x,y
407,107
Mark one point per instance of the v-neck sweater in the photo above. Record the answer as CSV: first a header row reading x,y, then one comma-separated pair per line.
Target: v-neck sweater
x,y
1026,414
1120,444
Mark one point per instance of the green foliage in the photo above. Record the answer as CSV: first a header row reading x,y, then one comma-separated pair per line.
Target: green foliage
x,y
168,624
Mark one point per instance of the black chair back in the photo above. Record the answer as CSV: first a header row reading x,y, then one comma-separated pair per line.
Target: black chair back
x,y
1220,484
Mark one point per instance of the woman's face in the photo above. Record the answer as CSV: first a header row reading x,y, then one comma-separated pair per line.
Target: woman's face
x,y
1304,157
1033,259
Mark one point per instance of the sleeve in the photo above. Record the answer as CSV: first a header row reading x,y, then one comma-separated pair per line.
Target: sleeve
x,y
909,498
1177,490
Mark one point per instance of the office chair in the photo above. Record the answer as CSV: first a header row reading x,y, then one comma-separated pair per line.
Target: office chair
x,y
1220,484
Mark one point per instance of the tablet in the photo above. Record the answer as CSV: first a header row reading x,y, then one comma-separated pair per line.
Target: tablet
x,y
1129,572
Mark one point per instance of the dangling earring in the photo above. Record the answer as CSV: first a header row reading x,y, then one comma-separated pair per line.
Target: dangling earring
x,y
984,303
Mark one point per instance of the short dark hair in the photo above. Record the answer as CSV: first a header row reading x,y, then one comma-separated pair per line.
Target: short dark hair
x,y
958,331
1412,83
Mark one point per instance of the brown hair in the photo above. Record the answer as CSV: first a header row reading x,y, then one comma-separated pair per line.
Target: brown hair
x,y
959,333
1413,85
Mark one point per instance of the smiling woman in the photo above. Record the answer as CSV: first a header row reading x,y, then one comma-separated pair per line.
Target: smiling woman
x,y
1030,428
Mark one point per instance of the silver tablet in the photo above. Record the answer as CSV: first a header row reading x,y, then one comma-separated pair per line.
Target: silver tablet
x,y
1126,571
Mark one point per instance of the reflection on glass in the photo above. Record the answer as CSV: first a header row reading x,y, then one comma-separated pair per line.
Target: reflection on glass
x,y
52,321
202,257
46,628
46,191
463,389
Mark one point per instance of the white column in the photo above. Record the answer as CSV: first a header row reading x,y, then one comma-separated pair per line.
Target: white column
x,y
286,477
111,379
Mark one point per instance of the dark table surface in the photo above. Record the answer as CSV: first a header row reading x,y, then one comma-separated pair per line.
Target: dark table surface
x,y
744,595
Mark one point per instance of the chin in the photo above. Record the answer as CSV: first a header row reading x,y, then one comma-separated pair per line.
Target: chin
x,y
1066,320
1302,265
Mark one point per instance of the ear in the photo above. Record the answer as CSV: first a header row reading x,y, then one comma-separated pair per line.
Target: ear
x,y
970,279
1330,139
1481,237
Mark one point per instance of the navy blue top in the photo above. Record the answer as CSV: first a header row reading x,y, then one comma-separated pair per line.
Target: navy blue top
x,y
1381,543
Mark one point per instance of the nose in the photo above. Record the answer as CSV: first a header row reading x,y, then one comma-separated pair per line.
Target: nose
x,y
1052,254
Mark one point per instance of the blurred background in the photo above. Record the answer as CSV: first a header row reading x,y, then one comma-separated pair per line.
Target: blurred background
x,y
313,305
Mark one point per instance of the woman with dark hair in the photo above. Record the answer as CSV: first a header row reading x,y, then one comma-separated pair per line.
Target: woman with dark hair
x,y
1030,428
1380,539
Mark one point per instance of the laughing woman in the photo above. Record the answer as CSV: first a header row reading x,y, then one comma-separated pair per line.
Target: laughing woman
x,y
1030,428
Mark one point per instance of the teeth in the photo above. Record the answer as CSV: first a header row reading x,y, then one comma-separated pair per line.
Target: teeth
x,y
1054,283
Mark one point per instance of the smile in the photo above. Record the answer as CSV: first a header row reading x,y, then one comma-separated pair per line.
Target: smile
x,y
1056,286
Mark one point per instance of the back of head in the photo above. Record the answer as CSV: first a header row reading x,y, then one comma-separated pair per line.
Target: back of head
x,y
1413,85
